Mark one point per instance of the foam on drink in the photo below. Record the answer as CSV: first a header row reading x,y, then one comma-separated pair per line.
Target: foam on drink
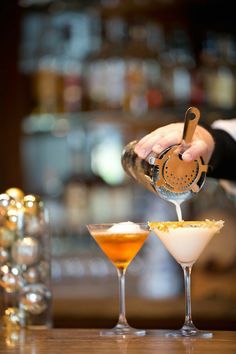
x,y
124,227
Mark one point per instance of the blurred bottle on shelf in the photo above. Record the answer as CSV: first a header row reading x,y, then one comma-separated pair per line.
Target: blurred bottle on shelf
x,y
154,93
72,86
115,35
135,100
76,184
177,62
218,70
47,86
105,83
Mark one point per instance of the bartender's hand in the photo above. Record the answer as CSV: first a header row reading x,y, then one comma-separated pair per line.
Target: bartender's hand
x,y
158,140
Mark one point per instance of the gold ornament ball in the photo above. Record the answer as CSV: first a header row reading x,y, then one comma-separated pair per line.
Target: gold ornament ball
x,y
35,298
11,283
15,193
25,251
31,275
12,218
32,204
7,237
12,318
4,255
5,200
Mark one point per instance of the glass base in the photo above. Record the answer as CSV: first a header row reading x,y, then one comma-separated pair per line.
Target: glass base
x,y
157,332
123,331
189,332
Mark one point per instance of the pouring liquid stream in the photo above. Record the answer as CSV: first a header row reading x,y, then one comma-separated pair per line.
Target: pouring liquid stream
x,y
178,209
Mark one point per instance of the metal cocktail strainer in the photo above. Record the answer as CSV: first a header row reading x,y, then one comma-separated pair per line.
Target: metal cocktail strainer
x,y
168,174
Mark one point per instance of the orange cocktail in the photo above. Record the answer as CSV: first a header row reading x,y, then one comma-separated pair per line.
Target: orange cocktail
x,y
120,248
120,242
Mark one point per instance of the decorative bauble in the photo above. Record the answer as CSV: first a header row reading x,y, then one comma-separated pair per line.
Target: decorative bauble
x,y
31,275
5,201
4,255
25,251
14,217
12,318
15,193
35,298
32,203
7,237
10,280
32,224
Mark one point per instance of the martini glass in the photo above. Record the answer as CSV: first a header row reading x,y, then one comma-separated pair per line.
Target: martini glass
x,y
185,240
120,242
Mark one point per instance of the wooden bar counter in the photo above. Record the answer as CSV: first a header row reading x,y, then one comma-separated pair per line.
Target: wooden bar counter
x,y
88,341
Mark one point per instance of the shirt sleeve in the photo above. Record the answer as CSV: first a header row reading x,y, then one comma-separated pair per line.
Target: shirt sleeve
x,y
228,125
223,160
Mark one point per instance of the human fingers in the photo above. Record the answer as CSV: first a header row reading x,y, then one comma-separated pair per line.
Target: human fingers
x,y
144,146
167,140
195,150
156,134
160,138
158,142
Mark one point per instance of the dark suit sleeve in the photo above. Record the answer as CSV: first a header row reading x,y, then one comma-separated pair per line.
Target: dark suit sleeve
x,y
223,161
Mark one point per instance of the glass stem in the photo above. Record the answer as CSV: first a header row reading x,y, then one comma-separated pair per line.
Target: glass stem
x,y
187,284
122,316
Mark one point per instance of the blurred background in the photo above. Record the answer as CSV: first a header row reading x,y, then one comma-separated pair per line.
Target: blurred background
x,y
79,80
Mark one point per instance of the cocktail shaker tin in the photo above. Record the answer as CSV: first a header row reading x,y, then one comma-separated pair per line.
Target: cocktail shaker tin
x,y
168,175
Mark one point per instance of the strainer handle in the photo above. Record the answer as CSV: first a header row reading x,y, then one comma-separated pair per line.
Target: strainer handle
x,y
192,116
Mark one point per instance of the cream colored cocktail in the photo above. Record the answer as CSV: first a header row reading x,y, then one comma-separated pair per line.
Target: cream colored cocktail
x,y
186,240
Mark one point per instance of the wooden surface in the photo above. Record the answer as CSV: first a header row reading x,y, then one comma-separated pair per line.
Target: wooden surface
x,y
85,341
